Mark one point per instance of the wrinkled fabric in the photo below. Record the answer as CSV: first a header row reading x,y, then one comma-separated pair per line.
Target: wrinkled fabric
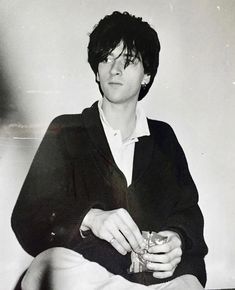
x,y
60,269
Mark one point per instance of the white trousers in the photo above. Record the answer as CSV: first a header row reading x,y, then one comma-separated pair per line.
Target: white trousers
x,y
63,269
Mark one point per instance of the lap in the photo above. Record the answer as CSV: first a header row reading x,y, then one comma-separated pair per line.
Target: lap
x,y
60,268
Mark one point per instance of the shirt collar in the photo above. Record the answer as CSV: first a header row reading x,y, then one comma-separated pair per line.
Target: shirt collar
x,y
141,128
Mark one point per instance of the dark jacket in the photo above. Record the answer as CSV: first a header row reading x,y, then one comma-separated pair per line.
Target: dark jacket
x,y
73,171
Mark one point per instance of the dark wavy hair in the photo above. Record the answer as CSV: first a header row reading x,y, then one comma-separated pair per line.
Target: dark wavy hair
x,y
138,37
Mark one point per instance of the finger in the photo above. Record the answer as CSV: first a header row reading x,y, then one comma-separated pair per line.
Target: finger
x,y
176,240
162,275
115,244
127,233
167,233
171,236
121,240
164,258
164,248
163,267
172,244
130,230
118,246
111,229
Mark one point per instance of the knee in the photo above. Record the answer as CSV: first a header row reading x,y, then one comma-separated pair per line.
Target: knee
x,y
46,266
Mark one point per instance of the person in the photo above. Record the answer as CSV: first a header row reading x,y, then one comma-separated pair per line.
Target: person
x,y
101,177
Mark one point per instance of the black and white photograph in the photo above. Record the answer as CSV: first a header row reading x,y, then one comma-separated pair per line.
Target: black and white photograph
x,y
117,154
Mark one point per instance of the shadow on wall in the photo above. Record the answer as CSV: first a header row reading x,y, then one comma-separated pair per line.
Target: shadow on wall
x,y
12,118
8,106
9,111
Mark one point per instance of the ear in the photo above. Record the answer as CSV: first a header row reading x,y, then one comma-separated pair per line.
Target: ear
x,y
146,79
97,78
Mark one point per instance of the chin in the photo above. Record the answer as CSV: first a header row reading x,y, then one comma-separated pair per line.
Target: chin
x,y
114,98
119,98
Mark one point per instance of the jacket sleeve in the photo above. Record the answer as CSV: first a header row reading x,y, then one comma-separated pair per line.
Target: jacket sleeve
x,y
47,212
186,218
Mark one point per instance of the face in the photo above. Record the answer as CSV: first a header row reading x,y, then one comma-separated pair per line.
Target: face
x,y
121,83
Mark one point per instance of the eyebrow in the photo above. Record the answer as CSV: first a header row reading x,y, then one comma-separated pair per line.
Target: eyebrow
x,y
128,55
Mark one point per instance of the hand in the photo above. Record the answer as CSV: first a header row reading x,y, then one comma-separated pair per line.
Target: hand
x,y
116,227
163,259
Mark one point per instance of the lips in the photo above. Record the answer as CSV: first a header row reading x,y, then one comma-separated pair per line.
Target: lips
x,y
115,83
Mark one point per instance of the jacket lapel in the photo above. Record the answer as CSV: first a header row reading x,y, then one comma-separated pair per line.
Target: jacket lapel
x,y
143,156
96,132
100,148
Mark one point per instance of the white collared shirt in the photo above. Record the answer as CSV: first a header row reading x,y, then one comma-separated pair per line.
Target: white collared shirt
x,y
123,150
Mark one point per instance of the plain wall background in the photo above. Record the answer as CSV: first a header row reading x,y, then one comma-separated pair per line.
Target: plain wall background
x,y
44,73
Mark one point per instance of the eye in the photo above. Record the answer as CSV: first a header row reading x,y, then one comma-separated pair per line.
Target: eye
x,y
131,60
108,59
134,61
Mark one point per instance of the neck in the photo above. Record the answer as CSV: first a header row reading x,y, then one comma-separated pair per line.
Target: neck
x,y
120,116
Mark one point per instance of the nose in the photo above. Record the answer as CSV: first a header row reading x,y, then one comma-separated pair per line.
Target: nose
x,y
117,67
